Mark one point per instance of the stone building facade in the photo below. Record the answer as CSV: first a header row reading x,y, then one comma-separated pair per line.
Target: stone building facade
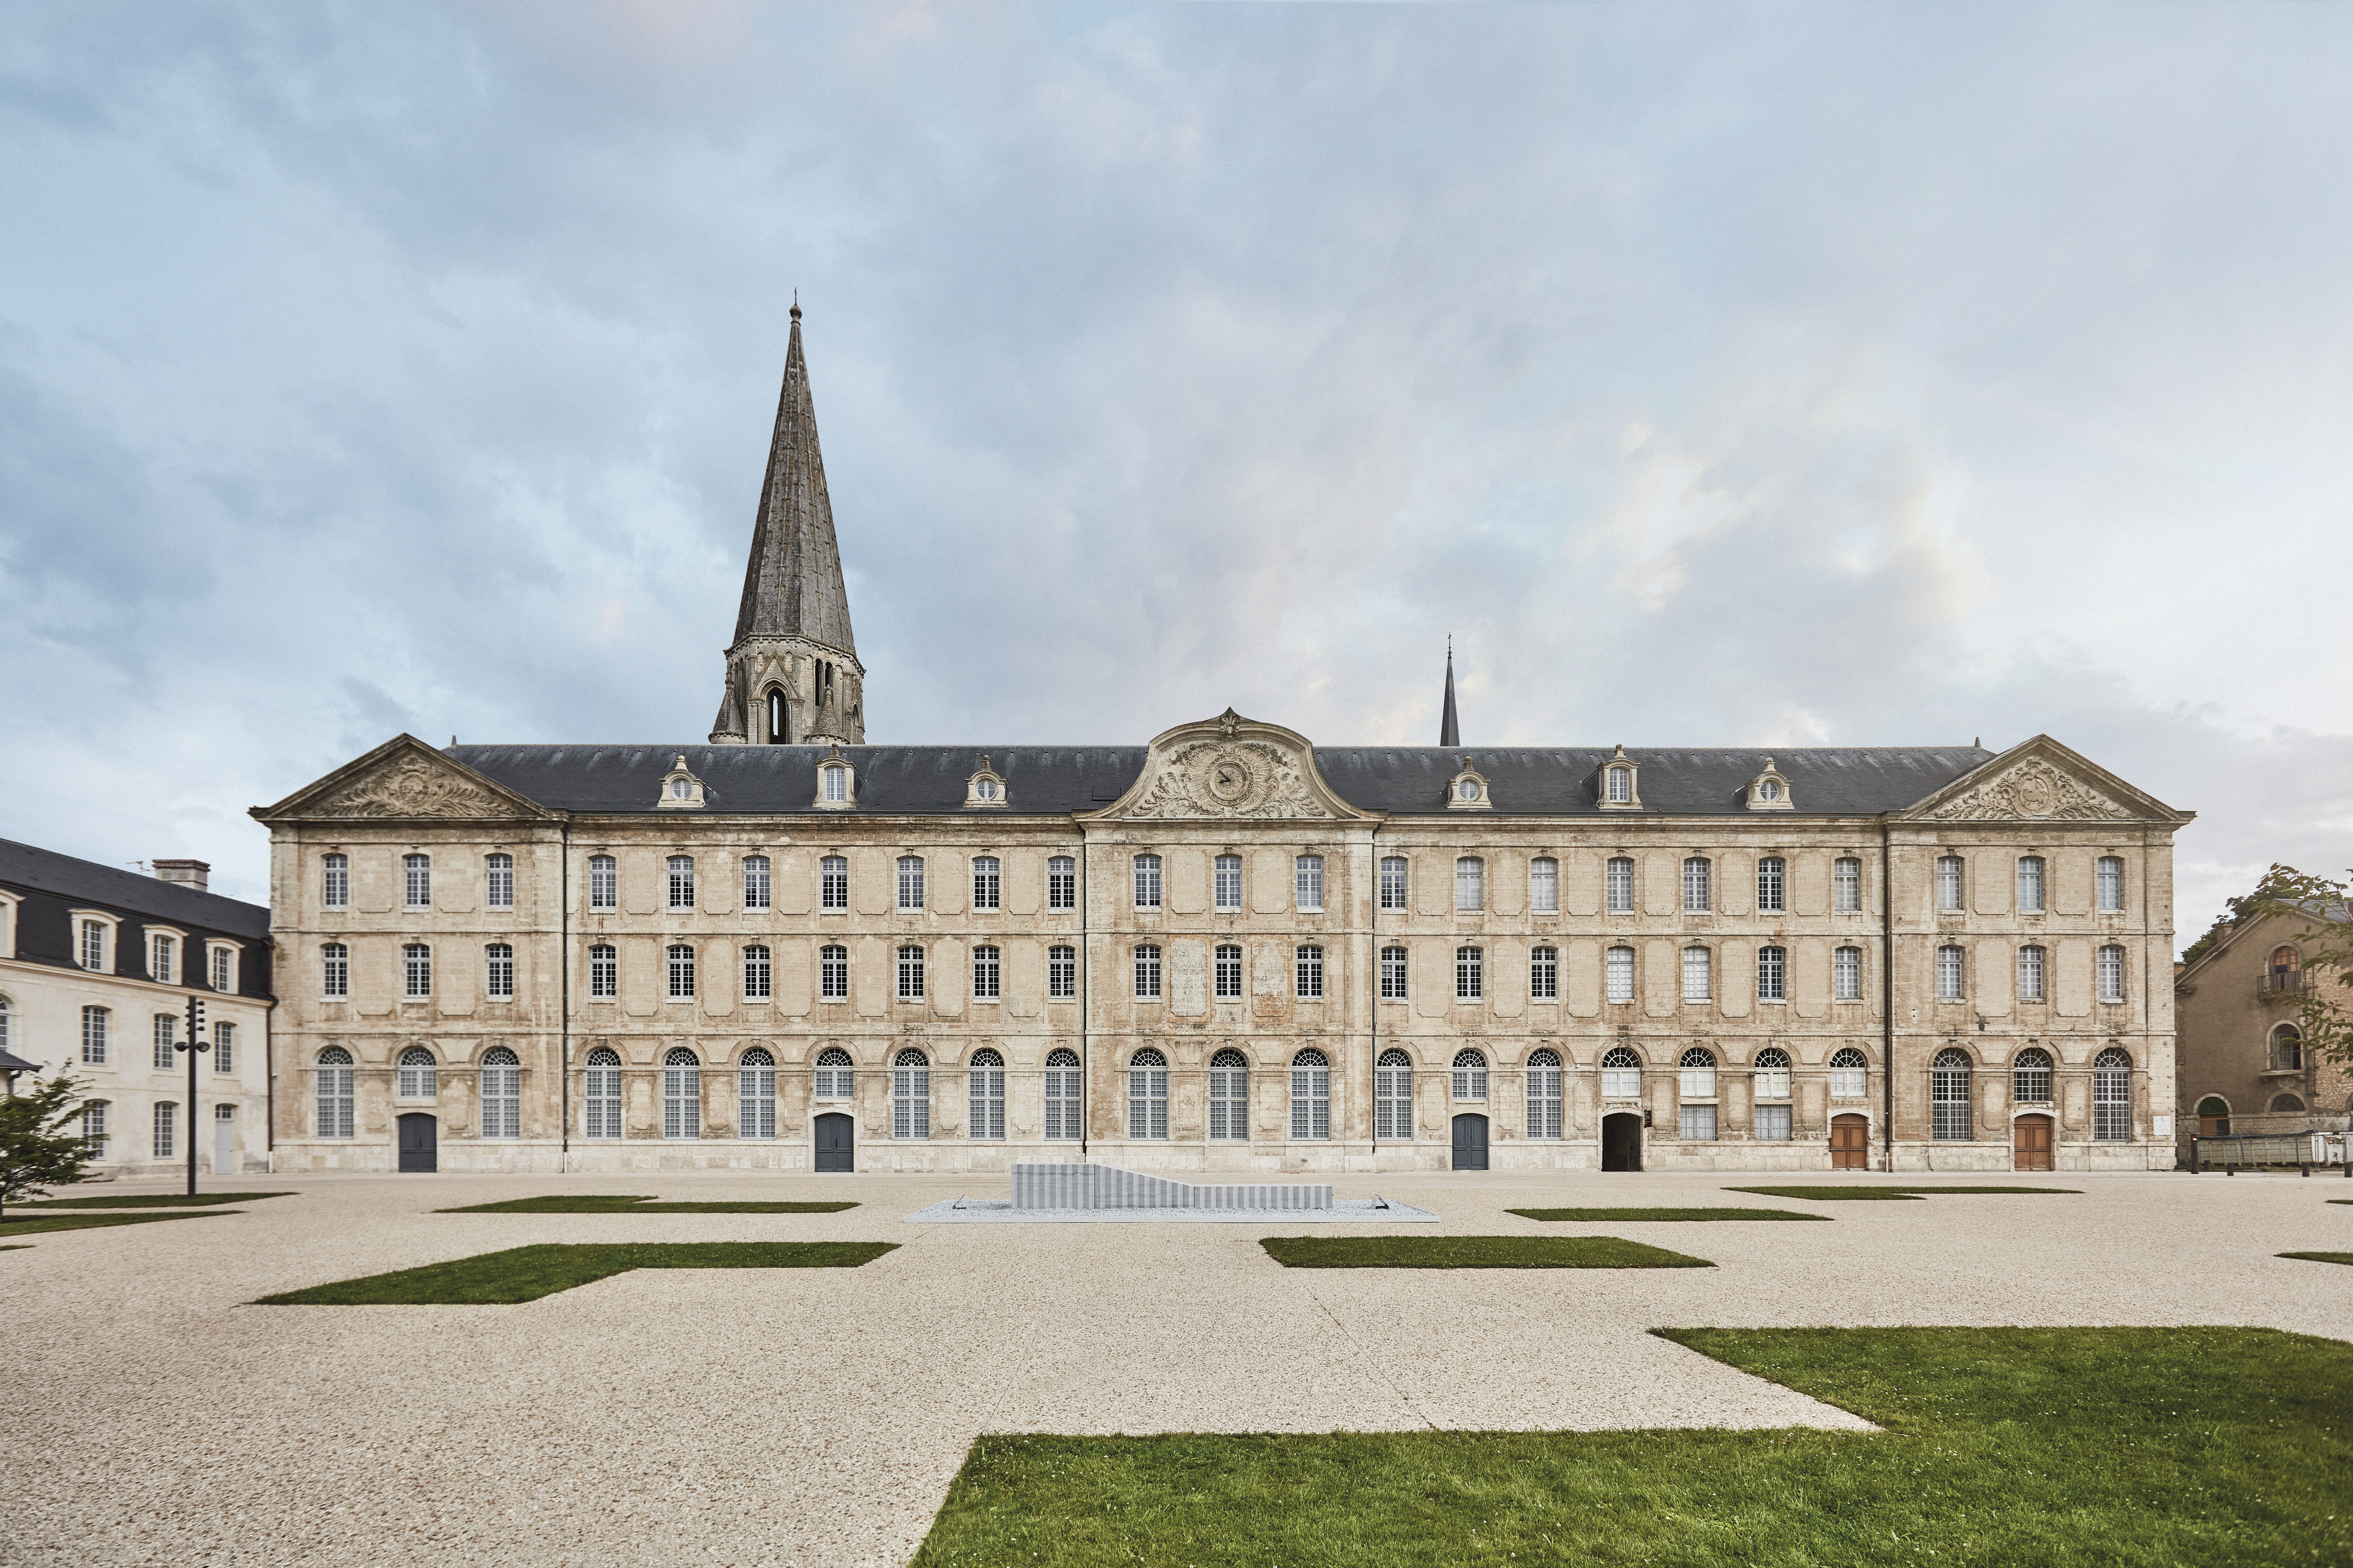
x,y
1227,950
2244,1064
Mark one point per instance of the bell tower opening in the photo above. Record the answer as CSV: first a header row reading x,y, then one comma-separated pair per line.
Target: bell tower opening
x,y
779,730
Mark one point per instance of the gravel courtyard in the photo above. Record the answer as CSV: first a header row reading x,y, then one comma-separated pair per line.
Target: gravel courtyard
x,y
814,1416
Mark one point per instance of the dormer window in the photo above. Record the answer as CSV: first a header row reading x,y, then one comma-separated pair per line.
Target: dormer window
x,y
837,789
681,790
1769,790
1467,791
1619,790
985,788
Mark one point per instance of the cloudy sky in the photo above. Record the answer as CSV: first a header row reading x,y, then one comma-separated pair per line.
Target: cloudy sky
x,y
1775,375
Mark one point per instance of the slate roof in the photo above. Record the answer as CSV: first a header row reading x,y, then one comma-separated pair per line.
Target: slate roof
x,y
34,870
1060,780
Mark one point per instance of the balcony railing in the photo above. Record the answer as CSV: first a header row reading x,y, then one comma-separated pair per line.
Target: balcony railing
x,y
2283,984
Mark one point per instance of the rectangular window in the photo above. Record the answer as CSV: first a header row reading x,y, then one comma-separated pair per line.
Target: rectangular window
x,y
1148,881
1771,1081
1772,974
1846,974
910,975
1543,973
167,1034
756,882
758,973
1392,975
604,883
988,883
1229,975
1543,886
2030,973
93,944
603,973
2111,974
1393,882
93,1126
1309,879
1949,885
1228,888
93,1037
498,882
1847,1081
1772,884
1470,974
1697,1124
2029,884
1310,963
336,891
681,881
1061,883
417,971
910,881
833,883
833,973
417,881
1949,973
1619,885
335,971
1696,1082
1695,886
682,972
1622,1076
1846,885
1618,974
1469,1076
1698,978
224,1047
986,973
1469,885
224,968
167,1117
2112,884
159,961
831,1079
499,983
1772,1124
1061,973
1147,975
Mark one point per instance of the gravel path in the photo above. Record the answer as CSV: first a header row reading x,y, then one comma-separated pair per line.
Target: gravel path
x,y
814,1416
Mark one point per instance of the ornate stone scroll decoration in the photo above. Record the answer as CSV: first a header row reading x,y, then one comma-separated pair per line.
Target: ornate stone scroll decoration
x,y
414,787
1230,778
2033,790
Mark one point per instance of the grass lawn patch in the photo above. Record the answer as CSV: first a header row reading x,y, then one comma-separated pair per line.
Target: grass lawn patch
x,y
591,1202
167,1201
2345,1258
1842,1192
1632,1217
2062,1447
1472,1252
35,1224
527,1273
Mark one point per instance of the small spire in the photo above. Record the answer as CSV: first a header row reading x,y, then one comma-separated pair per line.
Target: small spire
x,y
797,304
1450,731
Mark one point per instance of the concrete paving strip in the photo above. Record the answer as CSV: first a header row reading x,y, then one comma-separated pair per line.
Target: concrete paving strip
x,y
1000,1211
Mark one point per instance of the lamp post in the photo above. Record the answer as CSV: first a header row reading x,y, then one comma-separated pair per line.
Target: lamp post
x,y
194,1046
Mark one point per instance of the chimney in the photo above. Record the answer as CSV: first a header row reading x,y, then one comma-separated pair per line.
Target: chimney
x,y
188,873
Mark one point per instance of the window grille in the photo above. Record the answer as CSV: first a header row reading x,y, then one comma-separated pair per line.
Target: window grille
x,y
988,883
1469,885
1148,881
758,973
1061,883
680,958
1063,1093
2029,884
336,891
1618,885
1147,975
417,881
1618,975
2111,880
1695,887
1470,974
833,1074
834,785
93,944
1147,1095
1949,880
166,1035
223,1042
1849,1069
756,882
1311,1097
985,1095
497,972
681,881
416,970
1621,1074
1696,1074
1771,1124
332,1092
2030,972
987,970
419,1076
159,962
498,882
1469,1076
1061,973
1392,975
910,881
604,972
1542,1079
1846,974
1307,877
1229,975
6,1038
1543,973
681,1094
335,971
755,1095
1393,882
603,1096
2111,1097
1699,976
1229,1097
223,976
2111,973
1772,974
910,974
167,1117
1393,1096
502,1094
1309,967
1696,1123
1227,884
1846,885
833,973
604,883
1543,886
833,882
1620,787
93,1037
2029,1078
1949,973
1948,1096
93,1126
1772,886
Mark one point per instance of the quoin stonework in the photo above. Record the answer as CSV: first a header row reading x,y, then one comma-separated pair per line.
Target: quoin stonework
x,y
1225,950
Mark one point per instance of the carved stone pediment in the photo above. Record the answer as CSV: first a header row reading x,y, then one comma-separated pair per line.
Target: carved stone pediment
x,y
412,786
2033,791
1230,767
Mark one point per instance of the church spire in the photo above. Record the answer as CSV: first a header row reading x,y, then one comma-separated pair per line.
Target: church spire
x,y
1450,732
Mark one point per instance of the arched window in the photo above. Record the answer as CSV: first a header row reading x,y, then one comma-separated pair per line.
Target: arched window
x,y
2109,973
1228,971
681,881
911,1095
1772,885
1698,977
1469,884
910,974
1948,1096
1064,1094
1148,881
910,881
603,1086
833,1070
2285,960
2111,1097
2030,972
833,785
1621,1074
502,1094
1850,1071
417,881
1311,1096
985,1091
604,883
1618,885
1229,1097
1695,885
681,1094
1147,973
1307,883
1696,1074
988,972
1618,786
2030,1077
2287,1049
604,972
1147,1095
1469,1076
1618,975
1393,1096
2286,1103
416,970
334,1092
681,959
497,972
1227,885
2029,884
987,882
779,728
756,1094
1543,886
1542,1078
417,1074
1771,1078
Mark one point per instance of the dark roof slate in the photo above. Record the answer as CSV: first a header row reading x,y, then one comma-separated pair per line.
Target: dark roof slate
x,y
41,870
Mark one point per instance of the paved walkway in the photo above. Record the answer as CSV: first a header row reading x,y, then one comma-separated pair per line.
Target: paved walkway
x,y
814,1417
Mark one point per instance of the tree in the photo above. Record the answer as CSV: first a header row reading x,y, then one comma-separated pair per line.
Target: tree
x,y
35,1153
2324,1015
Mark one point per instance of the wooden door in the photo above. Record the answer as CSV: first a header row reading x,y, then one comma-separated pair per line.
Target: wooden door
x,y
837,1142
1621,1142
1471,1142
1849,1143
224,1140
2030,1143
419,1143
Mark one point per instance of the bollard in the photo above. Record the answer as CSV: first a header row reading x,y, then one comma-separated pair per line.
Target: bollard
x,y
2306,1170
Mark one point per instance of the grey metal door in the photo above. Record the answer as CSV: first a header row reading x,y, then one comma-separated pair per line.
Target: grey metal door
x,y
224,1140
1471,1141
419,1143
1621,1142
837,1148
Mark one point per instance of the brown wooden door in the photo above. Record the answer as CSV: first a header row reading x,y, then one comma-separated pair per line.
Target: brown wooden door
x,y
1849,1143
2030,1143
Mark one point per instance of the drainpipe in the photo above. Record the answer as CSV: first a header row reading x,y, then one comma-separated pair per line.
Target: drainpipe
x,y
1086,998
1887,994
1373,1026
564,959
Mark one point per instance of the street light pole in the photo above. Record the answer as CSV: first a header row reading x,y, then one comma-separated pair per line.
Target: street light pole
x,y
194,1046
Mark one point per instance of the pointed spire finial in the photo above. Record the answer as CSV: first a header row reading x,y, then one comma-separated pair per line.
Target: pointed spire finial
x,y
1450,730
797,304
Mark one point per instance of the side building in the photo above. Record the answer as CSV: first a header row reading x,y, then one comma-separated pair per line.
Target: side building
x,y
2244,1066
97,966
